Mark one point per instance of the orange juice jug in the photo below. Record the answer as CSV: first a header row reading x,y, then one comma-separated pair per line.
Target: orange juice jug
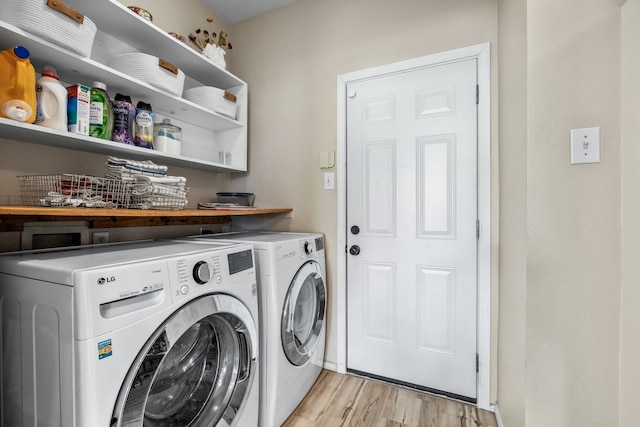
x,y
17,85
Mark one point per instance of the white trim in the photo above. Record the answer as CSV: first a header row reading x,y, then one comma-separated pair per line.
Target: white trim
x,y
496,411
330,366
482,53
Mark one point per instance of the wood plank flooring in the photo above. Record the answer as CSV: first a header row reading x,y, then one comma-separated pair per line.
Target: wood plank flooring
x,y
346,400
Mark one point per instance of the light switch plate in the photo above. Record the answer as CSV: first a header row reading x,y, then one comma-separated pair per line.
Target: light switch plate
x,y
585,145
329,181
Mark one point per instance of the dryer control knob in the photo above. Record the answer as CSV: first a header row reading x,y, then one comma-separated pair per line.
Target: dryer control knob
x,y
308,248
201,273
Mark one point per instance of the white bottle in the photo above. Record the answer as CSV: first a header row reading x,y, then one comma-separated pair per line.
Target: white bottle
x,y
51,95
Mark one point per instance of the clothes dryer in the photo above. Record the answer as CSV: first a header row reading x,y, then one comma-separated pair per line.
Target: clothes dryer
x,y
153,333
292,287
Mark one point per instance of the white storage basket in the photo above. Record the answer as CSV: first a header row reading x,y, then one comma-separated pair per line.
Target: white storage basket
x,y
57,25
150,69
218,100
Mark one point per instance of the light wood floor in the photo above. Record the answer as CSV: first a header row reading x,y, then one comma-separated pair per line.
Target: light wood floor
x,y
346,400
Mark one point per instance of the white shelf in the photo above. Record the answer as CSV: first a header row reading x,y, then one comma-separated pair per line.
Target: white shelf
x,y
19,131
204,131
119,22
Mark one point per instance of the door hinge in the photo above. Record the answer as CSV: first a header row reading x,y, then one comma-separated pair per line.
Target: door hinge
x,y
477,229
477,94
477,363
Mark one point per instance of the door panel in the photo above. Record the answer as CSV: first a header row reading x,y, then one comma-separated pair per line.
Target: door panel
x,y
412,190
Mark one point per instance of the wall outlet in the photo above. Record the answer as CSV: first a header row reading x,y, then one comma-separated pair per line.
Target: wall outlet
x,y
585,145
100,237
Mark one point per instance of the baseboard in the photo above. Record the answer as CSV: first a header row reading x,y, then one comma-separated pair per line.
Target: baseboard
x,y
496,411
331,366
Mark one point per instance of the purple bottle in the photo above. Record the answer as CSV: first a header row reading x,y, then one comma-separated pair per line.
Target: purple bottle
x,y
123,117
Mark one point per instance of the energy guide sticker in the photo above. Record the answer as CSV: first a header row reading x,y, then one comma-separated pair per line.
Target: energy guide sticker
x,y
104,349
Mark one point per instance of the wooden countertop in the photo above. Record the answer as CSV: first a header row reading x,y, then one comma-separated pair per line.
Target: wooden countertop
x,y
12,218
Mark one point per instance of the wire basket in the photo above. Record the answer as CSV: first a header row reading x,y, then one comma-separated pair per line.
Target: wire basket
x,y
73,191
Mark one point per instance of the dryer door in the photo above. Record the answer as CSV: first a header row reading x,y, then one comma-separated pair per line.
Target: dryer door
x,y
196,370
303,314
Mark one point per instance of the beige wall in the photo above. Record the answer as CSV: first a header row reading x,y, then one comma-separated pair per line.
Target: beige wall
x,y
630,314
573,215
291,59
186,18
512,88
567,234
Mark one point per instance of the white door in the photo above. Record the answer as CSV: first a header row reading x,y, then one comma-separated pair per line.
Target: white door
x,y
411,227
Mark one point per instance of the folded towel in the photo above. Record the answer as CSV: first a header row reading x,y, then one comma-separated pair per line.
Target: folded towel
x,y
158,190
141,166
158,202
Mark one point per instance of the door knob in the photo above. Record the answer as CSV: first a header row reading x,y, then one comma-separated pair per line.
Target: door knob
x,y
354,250
355,229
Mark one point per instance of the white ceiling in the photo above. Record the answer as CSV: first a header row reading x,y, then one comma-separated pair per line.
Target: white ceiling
x,y
234,11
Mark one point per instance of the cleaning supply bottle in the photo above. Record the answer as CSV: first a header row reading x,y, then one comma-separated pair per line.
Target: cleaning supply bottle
x,y
101,112
144,125
17,85
123,117
51,96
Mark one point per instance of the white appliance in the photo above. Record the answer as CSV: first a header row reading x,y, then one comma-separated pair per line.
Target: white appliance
x,y
291,283
153,333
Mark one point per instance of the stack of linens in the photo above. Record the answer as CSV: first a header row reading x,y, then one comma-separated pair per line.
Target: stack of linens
x,y
149,185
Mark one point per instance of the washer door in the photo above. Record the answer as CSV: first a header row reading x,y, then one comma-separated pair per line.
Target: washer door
x,y
196,370
303,314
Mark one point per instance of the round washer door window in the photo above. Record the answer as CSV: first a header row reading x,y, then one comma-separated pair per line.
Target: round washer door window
x,y
195,371
304,313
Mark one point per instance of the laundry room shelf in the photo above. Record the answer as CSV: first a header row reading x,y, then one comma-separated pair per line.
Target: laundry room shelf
x,y
12,218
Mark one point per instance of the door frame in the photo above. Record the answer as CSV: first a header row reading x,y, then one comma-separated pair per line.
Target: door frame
x,y
481,52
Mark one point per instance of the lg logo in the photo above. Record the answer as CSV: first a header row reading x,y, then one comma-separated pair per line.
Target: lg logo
x,y
103,280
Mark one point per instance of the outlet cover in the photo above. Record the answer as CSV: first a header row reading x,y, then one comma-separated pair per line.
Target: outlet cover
x,y
585,145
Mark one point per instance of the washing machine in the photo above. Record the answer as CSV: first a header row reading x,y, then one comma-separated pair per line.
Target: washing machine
x,y
292,305
153,333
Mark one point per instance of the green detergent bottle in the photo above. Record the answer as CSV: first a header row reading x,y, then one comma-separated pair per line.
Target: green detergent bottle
x,y
101,112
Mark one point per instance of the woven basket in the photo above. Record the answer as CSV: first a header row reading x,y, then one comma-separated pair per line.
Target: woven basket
x,y
148,68
212,98
37,18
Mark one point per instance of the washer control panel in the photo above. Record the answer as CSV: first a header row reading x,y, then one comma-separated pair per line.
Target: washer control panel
x,y
203,272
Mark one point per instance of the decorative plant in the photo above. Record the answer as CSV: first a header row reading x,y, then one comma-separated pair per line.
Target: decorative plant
x,y
204,37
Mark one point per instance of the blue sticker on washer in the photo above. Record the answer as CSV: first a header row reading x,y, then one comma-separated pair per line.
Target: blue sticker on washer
x,y
104,349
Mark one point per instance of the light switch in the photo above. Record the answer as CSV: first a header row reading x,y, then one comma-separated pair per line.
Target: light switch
x,y
329,181
585,145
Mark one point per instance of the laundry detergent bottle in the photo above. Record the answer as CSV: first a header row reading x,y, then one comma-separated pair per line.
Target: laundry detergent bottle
x,y
123,117
100,112
51,95
17,85
144,125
